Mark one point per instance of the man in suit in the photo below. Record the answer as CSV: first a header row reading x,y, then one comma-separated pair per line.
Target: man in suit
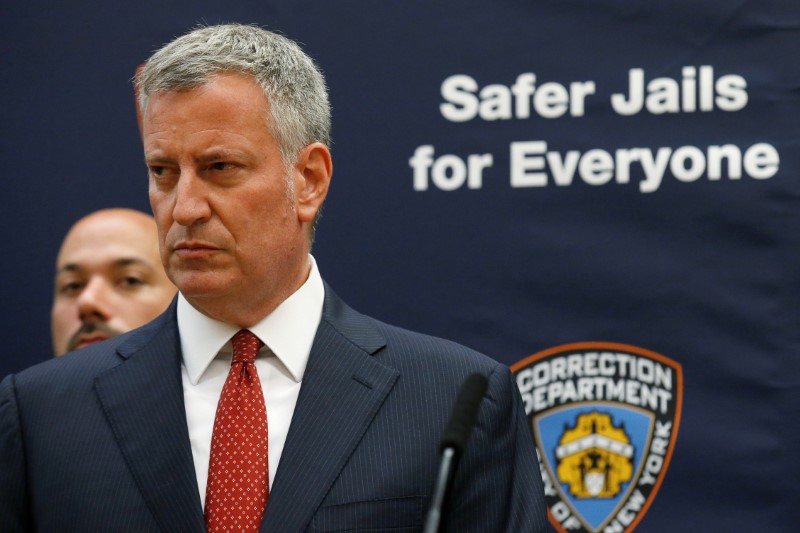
x,y
164,428
109,279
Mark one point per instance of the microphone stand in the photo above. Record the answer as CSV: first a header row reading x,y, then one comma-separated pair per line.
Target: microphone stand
x,y
454,440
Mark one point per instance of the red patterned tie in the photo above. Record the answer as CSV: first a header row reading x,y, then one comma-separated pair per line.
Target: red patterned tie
x,y
238,473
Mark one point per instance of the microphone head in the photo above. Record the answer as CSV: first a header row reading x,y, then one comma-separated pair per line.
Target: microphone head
x,y
465,412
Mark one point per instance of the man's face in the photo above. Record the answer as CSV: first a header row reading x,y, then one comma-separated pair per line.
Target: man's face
x,y
109,279
233,234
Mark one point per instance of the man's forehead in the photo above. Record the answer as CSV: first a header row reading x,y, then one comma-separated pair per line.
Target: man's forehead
x,y
110,241
107,263
230,113
121,224
239,89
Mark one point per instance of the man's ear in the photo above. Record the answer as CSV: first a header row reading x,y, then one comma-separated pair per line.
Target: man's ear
x,y
313,170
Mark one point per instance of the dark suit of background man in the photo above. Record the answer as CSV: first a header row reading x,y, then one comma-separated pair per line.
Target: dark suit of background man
x,y
116,437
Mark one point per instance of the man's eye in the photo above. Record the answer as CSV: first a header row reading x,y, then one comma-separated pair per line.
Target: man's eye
x,y
70,289
221,165
159,171
130,282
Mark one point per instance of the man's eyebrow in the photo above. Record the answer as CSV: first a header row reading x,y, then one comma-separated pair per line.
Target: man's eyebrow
x,y
157,158
221,153
128,261
69,267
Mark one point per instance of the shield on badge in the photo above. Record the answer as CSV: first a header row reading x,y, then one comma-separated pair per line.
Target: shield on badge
x,y
605,419
591,452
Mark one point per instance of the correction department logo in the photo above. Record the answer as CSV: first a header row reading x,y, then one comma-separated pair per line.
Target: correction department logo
x,y
605,419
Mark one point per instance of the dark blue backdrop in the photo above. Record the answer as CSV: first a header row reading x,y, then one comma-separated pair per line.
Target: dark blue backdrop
x,y
700,269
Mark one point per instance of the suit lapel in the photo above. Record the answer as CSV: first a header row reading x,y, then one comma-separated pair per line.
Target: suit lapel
x,y
343,389
143,400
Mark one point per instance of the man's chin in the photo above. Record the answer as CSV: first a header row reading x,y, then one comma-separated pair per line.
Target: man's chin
x,y
201,285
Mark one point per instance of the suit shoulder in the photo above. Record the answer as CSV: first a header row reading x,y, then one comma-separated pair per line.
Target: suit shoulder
x,y
431,351
75,367
83,365
400,347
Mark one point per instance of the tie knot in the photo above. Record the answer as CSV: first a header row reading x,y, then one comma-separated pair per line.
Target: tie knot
x,y
245,346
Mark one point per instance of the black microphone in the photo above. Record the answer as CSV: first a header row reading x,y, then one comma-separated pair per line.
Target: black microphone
x,y
454,440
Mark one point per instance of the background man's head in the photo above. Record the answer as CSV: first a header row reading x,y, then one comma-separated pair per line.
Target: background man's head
x,y
109,279
235,127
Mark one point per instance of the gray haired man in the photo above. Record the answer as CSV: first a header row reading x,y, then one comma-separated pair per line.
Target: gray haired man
x,y
259,401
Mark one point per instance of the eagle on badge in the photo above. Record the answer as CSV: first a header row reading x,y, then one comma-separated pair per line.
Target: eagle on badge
x,y
594,456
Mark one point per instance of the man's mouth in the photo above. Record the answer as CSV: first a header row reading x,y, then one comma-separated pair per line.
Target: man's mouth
x,y
91,333
86,341
194,249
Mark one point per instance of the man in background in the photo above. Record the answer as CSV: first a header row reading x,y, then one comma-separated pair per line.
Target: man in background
x,y
109,279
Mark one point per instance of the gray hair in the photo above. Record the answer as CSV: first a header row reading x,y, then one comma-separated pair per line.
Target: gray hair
x,y
293,84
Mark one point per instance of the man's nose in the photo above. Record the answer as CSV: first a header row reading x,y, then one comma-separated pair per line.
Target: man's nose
x,y
191,200
94,301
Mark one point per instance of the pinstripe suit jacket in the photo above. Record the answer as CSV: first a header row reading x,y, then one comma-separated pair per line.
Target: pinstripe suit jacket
x,y
97,440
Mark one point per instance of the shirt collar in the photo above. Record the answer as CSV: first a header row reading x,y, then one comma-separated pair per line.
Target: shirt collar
x,y
288,331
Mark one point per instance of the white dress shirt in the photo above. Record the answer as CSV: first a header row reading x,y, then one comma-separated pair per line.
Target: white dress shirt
x,y
287,334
